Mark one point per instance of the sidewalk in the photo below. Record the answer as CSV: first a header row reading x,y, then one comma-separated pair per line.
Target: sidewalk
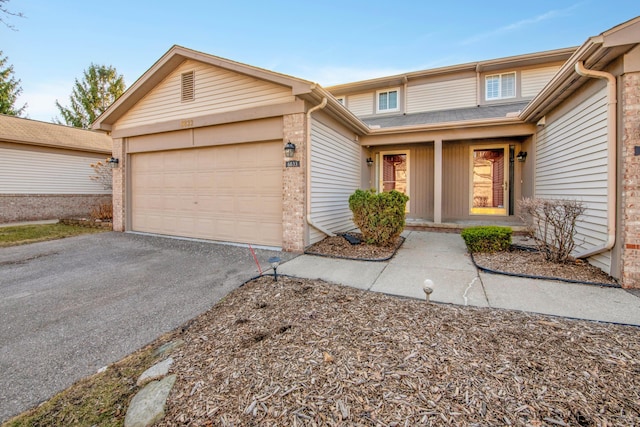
x,y
442,257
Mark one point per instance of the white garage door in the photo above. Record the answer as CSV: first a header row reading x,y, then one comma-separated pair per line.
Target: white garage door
x,y
231,193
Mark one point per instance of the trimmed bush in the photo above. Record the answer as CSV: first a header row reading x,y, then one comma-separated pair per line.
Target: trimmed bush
x,y
487,238
379,216
553,224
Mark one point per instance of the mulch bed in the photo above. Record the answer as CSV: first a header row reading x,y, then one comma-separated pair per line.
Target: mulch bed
x,y
339,247
306,353
532,263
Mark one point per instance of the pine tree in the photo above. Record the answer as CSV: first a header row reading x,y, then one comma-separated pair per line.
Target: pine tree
x,y
99,88
10,89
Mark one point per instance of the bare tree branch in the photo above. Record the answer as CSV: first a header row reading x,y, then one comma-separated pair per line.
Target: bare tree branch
x,y
4,11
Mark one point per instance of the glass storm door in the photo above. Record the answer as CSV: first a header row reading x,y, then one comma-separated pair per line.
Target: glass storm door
x,y
490,180
394,172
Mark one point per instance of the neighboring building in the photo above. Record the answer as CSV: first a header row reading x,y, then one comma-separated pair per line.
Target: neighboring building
x,y
201,143
45,170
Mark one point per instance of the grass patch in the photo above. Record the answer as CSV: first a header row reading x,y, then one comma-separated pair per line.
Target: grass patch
x,y
99,400
23,234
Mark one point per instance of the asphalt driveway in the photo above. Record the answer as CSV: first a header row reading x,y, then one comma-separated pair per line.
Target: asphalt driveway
x,y
69,307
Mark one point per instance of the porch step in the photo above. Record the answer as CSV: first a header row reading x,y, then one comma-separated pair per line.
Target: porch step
x,y
519,229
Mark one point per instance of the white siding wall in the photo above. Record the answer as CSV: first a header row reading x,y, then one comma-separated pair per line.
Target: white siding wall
x,y
571,163
40,172
361,104
216,90
534,80
335,175
459,93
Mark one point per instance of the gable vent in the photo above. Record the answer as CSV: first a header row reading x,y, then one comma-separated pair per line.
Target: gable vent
x,y
188,86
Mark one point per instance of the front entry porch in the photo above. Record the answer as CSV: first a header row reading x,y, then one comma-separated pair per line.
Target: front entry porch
x,y
454,184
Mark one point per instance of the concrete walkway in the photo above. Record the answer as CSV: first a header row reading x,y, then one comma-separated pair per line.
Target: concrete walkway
x,y
442,257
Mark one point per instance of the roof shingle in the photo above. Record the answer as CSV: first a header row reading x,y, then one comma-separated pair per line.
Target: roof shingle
x,y
32,132
446,116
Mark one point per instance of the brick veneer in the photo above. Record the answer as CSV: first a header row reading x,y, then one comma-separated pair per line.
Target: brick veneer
x,y
119,177
294,185
34,207
630,180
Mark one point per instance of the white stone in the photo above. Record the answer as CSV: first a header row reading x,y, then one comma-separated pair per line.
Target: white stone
x,y
147,406
158,370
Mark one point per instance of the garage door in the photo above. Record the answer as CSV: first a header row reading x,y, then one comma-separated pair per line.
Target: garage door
x,y
231,193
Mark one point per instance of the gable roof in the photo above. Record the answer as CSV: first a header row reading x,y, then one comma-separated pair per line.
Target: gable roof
x,y
31,132
170,61
596,53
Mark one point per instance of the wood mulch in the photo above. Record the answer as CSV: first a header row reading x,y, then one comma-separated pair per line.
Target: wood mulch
x,y
306,353
339,247
524,262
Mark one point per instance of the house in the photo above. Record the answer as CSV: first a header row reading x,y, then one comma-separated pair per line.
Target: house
x,y
45,170
205,147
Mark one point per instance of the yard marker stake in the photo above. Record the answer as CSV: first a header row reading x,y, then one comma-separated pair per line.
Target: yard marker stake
x,y
256,259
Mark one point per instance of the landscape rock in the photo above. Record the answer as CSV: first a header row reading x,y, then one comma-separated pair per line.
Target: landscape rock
x,y
158,370
147,406
168,348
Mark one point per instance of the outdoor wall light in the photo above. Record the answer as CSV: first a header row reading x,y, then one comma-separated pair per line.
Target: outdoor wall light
x,y
275,262
369,161
113,162
522,156
289,149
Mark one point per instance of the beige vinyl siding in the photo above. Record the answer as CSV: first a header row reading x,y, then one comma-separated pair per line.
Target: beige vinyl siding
x,y
335,175
446,95
216,90
534,80
361,104
41,171
571,163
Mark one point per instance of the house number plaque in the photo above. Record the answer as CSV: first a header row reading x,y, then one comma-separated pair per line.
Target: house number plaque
x,y
292,163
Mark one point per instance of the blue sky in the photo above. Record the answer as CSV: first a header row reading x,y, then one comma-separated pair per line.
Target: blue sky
x,y
328,41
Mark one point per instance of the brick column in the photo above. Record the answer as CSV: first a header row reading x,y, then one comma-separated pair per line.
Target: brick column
x,y
294,185
119,185
630,194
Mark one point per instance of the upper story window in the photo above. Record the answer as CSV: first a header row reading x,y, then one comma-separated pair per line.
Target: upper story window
x,y
388,100
500,86
342,100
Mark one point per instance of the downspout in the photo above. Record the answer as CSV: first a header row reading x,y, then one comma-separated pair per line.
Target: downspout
x,y
309,220
612,158
478,93
405,82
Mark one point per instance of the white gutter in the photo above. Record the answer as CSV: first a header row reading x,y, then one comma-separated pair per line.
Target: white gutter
x,y
405,82
611,157
308,164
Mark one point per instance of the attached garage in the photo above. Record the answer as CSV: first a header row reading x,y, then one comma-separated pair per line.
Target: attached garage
x,y
229,193
200,143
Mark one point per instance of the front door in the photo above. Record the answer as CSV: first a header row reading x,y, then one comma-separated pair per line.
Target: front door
x,y
394,172
490,180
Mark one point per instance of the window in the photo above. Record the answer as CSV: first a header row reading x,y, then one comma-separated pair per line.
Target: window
x,y
388,100
342,100
500,86
187,92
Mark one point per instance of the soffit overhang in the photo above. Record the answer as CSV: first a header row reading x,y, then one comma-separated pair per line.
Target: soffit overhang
x,y
596,54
